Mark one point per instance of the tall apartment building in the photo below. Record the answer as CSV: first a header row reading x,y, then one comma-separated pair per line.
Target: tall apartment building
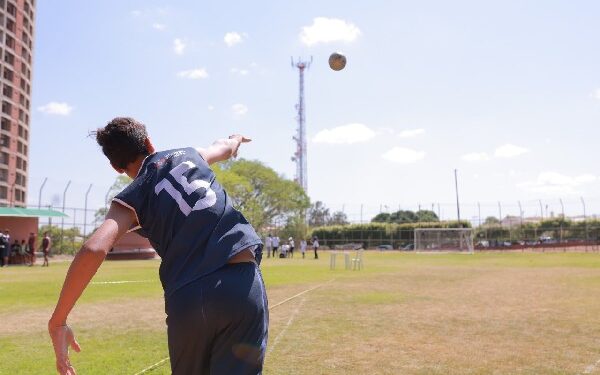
x,y
16,45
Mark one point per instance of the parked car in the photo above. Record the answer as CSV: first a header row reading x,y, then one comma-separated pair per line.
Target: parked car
x,y
409,247
385,247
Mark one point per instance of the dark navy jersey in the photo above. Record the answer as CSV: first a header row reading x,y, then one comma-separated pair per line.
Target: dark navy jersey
x,y
187,216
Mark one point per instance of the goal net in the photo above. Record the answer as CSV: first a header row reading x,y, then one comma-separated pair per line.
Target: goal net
x,y
444,239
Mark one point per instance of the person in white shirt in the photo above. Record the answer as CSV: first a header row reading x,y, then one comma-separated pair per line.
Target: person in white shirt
x,y
291,243
275,245
269,244
303,247
315,243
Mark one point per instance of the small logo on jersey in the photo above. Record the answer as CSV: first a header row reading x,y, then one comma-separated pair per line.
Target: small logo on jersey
x,y
217,284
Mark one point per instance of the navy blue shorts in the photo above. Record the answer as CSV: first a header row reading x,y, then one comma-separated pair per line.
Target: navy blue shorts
x,y
219,323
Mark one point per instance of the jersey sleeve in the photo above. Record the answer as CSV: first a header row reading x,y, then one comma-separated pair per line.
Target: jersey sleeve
x,y
132,197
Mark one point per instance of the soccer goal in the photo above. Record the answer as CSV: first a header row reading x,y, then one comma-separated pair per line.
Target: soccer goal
x,y
444,239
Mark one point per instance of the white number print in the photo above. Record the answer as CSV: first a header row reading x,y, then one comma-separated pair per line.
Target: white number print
x,y
189,187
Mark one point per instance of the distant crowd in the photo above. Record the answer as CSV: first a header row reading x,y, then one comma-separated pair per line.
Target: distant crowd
x,y
274,245
23,252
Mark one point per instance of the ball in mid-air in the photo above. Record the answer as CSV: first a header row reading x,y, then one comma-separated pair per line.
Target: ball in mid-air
x,y
337,61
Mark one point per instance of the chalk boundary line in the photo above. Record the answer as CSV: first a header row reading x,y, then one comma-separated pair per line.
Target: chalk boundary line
x,y
157,364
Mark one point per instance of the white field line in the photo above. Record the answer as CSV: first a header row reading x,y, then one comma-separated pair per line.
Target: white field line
x,y
120,282
591,368
287,325
152,367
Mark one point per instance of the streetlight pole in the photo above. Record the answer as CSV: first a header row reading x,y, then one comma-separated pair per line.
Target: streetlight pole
x,y
456,189
40,194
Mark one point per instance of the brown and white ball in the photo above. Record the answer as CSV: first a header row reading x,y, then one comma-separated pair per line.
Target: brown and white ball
x,y
337,61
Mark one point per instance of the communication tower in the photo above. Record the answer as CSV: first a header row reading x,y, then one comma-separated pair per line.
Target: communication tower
x,y
300,155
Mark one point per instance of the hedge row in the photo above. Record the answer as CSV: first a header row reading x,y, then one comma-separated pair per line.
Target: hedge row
x,y
375,234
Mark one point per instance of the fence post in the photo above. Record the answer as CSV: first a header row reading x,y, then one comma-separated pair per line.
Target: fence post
x,y
586,224
87,193
62,220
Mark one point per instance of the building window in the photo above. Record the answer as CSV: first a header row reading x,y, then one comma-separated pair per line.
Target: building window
x,y
9,58
19,146
7,91
23,84
5,124
10,41
3,175
10,24
7,108
21,115
21,131
22,99
11,9
4,158
25,149
4,140
3,192
8,74
19,162
24,166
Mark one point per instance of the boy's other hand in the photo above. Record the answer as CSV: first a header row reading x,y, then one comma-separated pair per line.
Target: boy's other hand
x,y
63,337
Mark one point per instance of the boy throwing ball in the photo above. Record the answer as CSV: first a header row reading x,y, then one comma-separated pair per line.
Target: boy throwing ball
x,y
215,300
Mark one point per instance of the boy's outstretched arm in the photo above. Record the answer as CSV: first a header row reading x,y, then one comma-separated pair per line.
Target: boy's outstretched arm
x,y
222,149
85,264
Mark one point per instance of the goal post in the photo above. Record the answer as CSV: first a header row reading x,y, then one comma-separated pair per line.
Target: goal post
x,y
444,239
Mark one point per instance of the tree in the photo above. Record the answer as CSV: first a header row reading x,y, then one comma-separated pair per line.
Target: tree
x,y
491,221
120,183
263,196
318,215
427,216
403,216
382,217
338,218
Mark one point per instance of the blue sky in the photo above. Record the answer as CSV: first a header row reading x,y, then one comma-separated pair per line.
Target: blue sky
x,y
507,92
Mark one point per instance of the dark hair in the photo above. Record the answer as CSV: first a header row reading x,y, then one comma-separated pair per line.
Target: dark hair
x,y
122,141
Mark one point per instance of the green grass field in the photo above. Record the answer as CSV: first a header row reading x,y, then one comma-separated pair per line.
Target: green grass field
x,y
520,313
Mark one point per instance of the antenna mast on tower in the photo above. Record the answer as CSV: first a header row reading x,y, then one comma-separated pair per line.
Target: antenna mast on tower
x,y
300,155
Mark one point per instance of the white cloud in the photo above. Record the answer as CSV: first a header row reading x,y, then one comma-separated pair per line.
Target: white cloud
x,y
56,108
199,73
475,156
239,109
136,13
211,107
596,94
345,134
510,151
241,72
327,30
411,133
557,183
179,46
403,155
232,38
159,26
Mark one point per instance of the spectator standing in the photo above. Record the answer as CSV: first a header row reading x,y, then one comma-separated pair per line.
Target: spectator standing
x,y
46,243
275,245
303,247
269,244
31,244
4,248
291,243
315,243
15,250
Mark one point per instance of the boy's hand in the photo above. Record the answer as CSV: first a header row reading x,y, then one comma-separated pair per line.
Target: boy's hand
x,y
63,337
240,139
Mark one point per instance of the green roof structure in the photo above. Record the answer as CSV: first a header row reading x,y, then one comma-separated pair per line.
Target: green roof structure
x,y
29,212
